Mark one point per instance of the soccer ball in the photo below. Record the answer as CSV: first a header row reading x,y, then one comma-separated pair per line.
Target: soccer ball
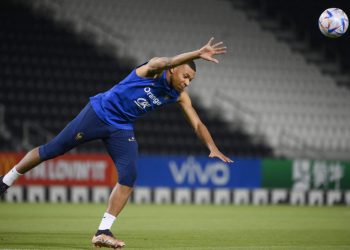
x,y
333,22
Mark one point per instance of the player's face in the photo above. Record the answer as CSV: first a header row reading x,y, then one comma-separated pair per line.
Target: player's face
x,y
181,77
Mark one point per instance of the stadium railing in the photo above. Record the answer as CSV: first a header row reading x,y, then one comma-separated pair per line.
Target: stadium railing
x,y
30,129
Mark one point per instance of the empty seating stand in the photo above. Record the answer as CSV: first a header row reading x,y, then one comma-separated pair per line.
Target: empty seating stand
x,y
274,92
48,71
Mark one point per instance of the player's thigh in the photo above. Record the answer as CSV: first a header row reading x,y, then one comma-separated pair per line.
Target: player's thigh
x,y
123,149
86,126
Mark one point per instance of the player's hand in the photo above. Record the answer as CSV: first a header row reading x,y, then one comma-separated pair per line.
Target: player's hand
x,y
221,156
209,50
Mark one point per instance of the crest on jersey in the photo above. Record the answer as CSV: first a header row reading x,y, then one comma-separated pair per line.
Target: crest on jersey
x,y
79,136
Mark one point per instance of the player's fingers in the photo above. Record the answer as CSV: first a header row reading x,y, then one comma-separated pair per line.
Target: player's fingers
x,y
218,156
214,60
211,41
217,44
211,59
223,158
229,160
221,50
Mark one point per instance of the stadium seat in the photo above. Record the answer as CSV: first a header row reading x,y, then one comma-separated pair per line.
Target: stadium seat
x,y
261,84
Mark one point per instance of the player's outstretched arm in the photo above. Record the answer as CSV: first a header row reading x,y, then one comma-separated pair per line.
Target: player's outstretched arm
x,y
199,128
157,64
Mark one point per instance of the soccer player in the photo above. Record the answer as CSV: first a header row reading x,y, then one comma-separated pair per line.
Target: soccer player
x,y
110,115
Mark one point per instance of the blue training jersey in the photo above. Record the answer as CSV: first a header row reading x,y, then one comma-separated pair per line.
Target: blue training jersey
x,y
131,98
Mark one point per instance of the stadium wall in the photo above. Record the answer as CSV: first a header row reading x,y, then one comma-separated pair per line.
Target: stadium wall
x,y
184,179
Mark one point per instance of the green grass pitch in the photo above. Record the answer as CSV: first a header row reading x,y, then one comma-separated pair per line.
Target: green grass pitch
x,y
70,226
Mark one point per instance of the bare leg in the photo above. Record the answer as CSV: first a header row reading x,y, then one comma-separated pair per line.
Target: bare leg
x,y
118,199
116,203
29,161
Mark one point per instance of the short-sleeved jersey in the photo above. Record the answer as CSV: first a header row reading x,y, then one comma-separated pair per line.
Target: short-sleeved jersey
x,y
131,98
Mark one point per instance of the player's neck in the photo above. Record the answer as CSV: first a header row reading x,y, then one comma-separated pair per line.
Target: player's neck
x,y
167,77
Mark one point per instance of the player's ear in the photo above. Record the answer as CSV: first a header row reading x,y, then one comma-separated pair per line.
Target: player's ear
x,y
171,70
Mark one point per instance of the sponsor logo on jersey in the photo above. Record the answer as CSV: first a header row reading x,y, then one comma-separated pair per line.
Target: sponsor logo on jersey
x,y
142,103
154,99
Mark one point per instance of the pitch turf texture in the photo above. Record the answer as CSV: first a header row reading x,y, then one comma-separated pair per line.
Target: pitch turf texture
x,y
69,226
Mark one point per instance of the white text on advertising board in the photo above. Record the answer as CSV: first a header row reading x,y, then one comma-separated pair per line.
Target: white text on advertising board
x,y
69,170
191,172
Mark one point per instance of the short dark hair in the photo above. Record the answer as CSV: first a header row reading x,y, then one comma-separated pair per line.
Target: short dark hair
x,y
192,65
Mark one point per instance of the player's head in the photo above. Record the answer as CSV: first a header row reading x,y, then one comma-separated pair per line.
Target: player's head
x,y
182,75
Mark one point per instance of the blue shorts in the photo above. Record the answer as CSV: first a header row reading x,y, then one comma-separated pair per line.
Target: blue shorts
x,y
86,126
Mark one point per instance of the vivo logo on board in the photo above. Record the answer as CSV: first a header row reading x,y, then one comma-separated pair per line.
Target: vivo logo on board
x,y
191,172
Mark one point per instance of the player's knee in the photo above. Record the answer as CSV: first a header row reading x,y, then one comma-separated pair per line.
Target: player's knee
x,y
49,151
128,176
128,180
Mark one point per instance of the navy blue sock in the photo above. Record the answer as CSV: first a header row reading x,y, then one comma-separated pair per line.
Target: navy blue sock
x,y
106,232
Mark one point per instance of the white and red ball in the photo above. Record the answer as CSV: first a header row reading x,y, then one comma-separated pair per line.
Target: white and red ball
x,y
333,22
